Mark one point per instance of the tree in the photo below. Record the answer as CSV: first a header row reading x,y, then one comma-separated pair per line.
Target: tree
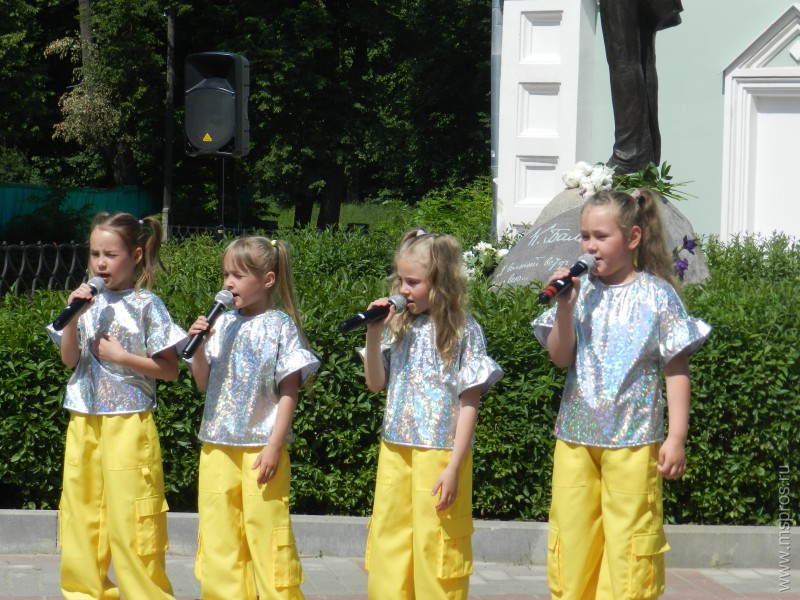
x,y
360,99
436,81
349,100
27,88
116,104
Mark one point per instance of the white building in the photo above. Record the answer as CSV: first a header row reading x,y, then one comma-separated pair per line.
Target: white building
x,y
729,108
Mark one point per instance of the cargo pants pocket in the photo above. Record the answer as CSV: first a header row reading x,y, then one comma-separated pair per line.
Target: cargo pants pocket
x,y
554,561
73,446
151,525
455,548
286,566
646,572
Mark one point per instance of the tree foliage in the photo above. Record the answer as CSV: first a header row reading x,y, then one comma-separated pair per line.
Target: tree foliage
x,y
29,86
349,99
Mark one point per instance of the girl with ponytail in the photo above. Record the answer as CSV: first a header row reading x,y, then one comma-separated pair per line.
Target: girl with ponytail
x,y
112,501
617,330
251,369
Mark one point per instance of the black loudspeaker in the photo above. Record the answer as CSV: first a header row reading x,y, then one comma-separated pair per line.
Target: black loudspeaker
x,y
217,86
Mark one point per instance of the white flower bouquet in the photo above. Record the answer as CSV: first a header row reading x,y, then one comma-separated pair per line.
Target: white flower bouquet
x,y
482,259
590,179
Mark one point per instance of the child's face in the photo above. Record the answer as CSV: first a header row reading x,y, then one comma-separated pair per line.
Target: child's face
x,y
110,259
602,238
414,284
251,291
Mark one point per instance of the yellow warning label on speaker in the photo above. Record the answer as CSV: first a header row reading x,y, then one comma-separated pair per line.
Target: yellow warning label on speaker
x,y
207,138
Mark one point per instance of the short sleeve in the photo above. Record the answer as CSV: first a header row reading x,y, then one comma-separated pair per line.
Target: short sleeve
x,y
476,368
543,325
386,351
292,356
55,336
678,331
162,331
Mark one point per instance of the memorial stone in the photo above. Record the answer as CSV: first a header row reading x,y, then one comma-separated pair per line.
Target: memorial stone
x,y
554,241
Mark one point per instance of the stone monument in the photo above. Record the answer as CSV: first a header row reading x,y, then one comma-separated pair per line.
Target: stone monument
x,y
554,241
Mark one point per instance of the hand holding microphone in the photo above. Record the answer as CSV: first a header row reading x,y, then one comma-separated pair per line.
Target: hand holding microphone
x,y
585,264
376,313
222,302
96,285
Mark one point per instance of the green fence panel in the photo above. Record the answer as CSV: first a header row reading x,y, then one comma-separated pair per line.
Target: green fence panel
x,y
20,199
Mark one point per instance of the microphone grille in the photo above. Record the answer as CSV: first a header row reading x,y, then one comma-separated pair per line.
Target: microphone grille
x,y
97,283
589,261
225,298
399,302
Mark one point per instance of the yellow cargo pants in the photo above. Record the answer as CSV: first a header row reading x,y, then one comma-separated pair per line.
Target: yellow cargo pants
x,y
606,538
113,506
413,551
245,541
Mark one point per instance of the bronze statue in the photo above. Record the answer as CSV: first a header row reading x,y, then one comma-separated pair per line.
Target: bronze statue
x,y
629,33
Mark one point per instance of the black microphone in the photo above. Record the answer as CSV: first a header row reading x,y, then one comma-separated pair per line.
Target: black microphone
x,y
582,265
375,313
222,302
97,285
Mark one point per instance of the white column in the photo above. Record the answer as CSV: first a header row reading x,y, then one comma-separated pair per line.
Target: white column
x,y
545,102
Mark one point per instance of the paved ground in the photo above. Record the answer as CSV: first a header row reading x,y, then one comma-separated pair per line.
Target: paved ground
x,y
31,577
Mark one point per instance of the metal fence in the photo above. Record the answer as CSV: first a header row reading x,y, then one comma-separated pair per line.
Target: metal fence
x,y
30,267
181,232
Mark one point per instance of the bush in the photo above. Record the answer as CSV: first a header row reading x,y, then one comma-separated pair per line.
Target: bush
x,y
745,410
32,423
745,414
462,212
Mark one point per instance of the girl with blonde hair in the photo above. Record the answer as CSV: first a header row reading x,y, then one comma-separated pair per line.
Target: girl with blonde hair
x,y
112,503
251,368
617,330
433,358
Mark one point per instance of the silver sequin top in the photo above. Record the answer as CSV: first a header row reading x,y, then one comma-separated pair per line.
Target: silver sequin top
x,y
422,401
625,334
141,323
249,357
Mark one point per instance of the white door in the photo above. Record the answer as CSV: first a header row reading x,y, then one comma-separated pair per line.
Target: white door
x,y
776,206
544,106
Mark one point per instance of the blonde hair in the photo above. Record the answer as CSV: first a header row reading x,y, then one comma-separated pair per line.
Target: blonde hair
x,y
440,255
641,209
133,234
260,255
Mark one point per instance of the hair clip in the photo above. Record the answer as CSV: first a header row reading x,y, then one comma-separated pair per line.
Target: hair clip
x,y
636,194
420,232
141,221
273,243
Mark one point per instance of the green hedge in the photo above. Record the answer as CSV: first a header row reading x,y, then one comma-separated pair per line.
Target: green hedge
x,y
745,410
